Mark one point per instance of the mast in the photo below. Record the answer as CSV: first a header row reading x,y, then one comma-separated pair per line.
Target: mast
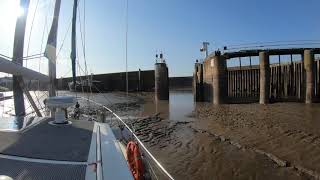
x,y
73,42
50,51
18,58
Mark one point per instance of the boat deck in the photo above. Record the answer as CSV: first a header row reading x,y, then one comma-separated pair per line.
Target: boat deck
x,y
45,141
82,150
22,170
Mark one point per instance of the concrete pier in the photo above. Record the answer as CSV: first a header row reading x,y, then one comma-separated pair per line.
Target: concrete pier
x,y
161,81
309,69
219,66
264,77
198,82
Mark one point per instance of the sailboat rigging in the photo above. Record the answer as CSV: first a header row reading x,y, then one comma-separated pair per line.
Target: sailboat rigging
x,y
56,138
87,84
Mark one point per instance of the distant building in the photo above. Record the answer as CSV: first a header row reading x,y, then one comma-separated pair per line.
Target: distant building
x,y
6,82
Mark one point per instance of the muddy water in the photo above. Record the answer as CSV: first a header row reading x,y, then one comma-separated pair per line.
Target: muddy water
x,y
247,141
179,107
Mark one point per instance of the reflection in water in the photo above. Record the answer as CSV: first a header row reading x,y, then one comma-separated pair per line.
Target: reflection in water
x,y
16,123
180,105
177,108
7,120
7,104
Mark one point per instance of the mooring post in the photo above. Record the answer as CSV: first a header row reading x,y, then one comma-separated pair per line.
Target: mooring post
x,y
264,77
198,82
219,78
161,81
308,66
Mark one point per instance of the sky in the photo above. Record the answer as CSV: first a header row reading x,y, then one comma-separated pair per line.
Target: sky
x,y
175,27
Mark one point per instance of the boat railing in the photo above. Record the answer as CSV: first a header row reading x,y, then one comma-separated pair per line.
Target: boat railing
x,y
134,135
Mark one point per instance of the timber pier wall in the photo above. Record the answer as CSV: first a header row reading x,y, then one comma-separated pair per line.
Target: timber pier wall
x,y
291,81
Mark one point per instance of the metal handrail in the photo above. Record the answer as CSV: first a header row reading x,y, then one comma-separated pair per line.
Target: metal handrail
x,y
135,136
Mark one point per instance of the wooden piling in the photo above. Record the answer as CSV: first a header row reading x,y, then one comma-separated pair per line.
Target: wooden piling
x,y
264,77
309,75
198,90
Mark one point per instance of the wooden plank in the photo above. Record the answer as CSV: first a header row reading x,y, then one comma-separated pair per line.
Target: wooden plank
x,y
250,79
272,83
246,83
240,82
295,79
254,82
286,81
229,83
257,83
318,78
299,82
236,83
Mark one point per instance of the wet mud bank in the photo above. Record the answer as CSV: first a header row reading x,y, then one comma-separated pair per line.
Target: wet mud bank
x,y
277,141
247,141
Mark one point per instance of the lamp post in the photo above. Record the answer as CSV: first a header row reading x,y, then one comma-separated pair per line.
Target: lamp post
x,y
205,48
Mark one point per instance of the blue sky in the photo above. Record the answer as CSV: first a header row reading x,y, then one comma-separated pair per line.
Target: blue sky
x,y
176,27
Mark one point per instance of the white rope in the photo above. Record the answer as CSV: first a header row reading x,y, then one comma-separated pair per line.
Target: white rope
x,y
136,137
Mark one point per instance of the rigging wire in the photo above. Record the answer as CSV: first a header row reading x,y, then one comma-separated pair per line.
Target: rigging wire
x,y
42,38
24,58
152,170
6,57
32,22
126,53
63,41
33,56
82,36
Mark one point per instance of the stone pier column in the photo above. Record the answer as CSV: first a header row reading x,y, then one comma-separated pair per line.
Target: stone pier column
x,y
264,77
198,82
161,81
219,66
308,66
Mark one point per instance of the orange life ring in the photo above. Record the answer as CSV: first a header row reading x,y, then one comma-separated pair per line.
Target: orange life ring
x,y
135,160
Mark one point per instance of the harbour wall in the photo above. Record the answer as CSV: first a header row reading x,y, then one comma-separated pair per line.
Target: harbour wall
x,y
117,81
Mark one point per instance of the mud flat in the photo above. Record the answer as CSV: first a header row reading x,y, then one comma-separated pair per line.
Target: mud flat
x,y
277,141
287,133
247,141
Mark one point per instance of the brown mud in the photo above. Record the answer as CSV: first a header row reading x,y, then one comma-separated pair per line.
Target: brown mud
x,y
236,141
